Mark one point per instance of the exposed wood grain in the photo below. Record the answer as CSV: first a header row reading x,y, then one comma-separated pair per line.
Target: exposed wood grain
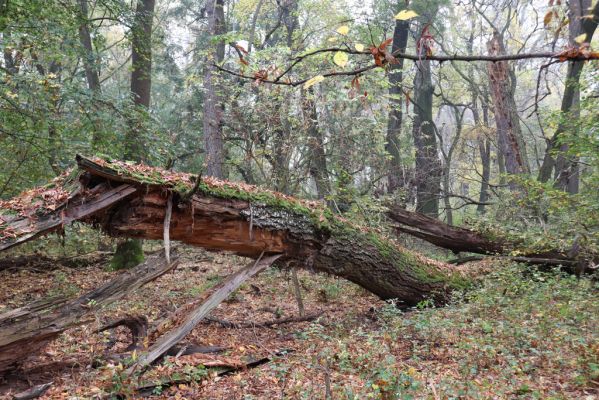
x,y
202,309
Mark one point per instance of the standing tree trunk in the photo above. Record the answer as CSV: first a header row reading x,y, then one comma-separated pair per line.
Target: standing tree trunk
x,y
90,64
141,76
318,159
509,135
428,165
484,147
395,176
213,107
141,86
566,169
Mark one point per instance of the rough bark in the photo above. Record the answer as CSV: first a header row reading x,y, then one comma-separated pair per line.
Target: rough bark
x,y
509,135
250,222
213,106
318,159
484,147
141,75
459,239
428,165
89,63
26,330
395,176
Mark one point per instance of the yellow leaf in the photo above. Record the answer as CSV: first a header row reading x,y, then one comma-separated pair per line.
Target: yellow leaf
x,y
359,46
332,39
313,81
340,58
580,38
405,15
343,30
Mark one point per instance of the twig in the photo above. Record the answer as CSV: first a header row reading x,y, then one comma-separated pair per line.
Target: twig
x,y
298,291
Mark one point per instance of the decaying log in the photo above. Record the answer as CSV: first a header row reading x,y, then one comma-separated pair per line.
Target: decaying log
x,y
220,214
27,227
33,392
28,329
266,324
446,236
137,325
131,201
226,368
201,309
459,240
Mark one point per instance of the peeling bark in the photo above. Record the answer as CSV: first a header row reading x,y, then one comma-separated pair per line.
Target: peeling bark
x,y
509,134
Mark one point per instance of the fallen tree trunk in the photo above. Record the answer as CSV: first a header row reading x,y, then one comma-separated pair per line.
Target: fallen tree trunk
x,y
446,236
459,240
131,201
248,221
26,330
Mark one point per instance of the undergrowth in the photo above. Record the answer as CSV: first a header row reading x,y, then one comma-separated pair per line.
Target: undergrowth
x,y
521,334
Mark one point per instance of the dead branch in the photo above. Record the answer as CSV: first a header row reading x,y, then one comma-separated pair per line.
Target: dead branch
x,y
203,307
266,324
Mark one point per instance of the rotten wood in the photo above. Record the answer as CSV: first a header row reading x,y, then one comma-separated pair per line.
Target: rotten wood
x,y
440,234
167,227
33,392
26,331
28,228
201,309
459,240
137,325
148,389
266,324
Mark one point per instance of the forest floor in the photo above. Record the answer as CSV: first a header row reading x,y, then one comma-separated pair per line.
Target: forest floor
x,y
521,334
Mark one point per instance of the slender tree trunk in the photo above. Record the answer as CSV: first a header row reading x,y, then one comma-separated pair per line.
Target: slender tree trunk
x,y
318,159
428,165
509,135
89,63
484,147
213,106
395,176
566,165
141,76
281,149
